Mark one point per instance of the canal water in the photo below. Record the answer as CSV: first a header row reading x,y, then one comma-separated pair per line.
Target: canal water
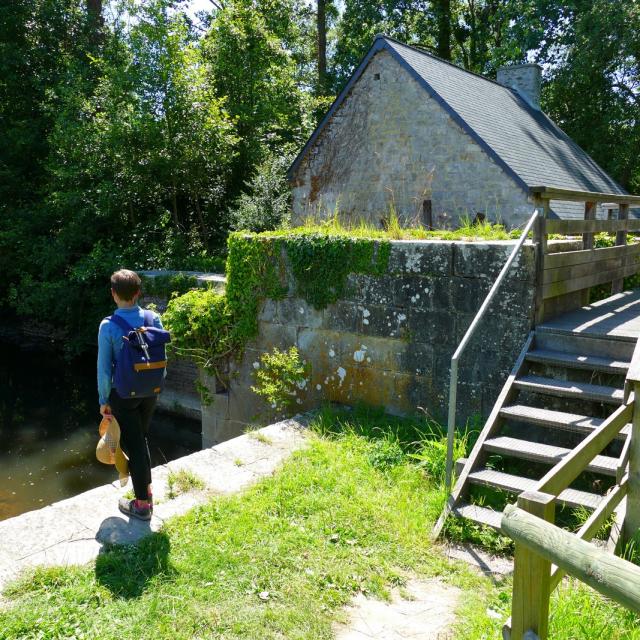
x,y
49,430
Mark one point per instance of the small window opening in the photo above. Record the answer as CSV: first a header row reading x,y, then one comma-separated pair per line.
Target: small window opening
x,y
480,218
376,76
427,214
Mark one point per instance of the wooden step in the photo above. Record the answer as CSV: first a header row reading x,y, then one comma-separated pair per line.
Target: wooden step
x,y
545,453
517,484
569,389
478,514
550,339
556,419
576,361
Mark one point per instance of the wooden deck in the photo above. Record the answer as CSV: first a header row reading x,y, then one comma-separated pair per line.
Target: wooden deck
x,y
617,317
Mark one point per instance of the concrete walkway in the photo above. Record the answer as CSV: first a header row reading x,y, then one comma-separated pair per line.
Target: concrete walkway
x,y
73,531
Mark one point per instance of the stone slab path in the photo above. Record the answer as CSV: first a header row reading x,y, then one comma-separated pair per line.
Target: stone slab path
x,y
422,610
73,531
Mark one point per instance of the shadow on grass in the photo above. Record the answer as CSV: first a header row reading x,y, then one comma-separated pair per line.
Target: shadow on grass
x,y
127,567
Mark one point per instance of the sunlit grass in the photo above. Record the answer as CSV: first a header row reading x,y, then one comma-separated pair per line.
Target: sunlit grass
x,y
349,514
394,230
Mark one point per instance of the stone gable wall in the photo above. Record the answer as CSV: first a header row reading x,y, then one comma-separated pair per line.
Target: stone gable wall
x,y
391,142
389,340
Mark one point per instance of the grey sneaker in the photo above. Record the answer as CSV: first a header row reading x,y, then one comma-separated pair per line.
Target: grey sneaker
x,y
128,507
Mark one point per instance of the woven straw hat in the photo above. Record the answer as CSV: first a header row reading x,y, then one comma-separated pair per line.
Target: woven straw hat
x,y
108,450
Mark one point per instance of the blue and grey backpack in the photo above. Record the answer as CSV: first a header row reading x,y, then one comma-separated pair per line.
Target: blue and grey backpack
x,y
141,364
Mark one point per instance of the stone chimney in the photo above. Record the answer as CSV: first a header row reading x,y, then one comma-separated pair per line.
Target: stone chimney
x,y
526,79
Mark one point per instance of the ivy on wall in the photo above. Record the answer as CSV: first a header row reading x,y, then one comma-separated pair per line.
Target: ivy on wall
x,y
210,327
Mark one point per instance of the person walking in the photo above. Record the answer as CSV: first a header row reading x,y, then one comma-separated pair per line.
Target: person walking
x,y
131,403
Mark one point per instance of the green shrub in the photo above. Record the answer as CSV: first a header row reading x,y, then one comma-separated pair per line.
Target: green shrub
x,y
201,328
280,377
267,203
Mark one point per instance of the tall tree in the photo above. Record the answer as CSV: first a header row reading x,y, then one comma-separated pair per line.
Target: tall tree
x,y
255,75
321,21
444,18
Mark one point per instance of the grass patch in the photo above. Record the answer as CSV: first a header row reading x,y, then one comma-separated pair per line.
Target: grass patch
x,y
256,434
349,514
183,481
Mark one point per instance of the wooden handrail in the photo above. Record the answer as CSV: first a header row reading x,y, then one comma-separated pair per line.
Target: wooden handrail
x,y
575,227
614,577
569,195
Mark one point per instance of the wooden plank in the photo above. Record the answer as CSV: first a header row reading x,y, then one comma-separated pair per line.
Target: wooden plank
x,y
623,460
518,484
581,272
621,239
575,227
578,271
554,289
557,420
492,424
570,258
634,370
568,389
613,577
532,575
576,361
546,453
570,195
617,526
632,518
481,515
590,209
541,251
568,469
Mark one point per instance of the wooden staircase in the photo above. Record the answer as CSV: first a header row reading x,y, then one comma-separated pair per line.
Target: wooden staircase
x,y
562,388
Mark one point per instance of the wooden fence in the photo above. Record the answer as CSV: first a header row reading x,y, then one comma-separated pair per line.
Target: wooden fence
x,y
564,279
543,552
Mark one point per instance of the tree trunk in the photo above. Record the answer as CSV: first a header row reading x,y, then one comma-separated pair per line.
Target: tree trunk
x,y
203,226
174,202
322,46
443,11
96,22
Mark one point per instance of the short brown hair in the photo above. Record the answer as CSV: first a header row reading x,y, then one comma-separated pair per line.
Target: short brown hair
x,y
125,283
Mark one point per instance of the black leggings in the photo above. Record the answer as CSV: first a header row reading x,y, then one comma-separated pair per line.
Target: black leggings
x,y
134,417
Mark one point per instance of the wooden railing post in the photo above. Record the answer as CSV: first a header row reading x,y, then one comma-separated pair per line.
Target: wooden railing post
x,y
540,236
590,209
621,239
532,575
631,529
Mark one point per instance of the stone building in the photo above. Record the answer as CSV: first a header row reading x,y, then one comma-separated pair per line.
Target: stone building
x,y
436,142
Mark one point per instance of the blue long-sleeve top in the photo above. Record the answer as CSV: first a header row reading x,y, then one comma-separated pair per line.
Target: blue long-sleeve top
x,y
110,345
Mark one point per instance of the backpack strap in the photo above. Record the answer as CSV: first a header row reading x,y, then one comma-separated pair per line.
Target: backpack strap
x,y
121,322
148,318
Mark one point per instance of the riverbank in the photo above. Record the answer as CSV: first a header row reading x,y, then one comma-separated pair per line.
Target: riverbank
x,y
49,429
76,530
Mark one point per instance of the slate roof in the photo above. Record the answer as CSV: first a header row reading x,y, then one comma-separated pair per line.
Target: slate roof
x,y
525,142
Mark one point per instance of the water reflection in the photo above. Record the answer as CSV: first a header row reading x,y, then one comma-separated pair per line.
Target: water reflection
x,y
49,430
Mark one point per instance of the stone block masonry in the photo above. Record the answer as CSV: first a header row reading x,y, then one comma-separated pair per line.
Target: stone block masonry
x,y
389,340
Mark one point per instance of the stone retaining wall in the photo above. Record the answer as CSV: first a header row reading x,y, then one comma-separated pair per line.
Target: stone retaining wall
x,y
390,339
